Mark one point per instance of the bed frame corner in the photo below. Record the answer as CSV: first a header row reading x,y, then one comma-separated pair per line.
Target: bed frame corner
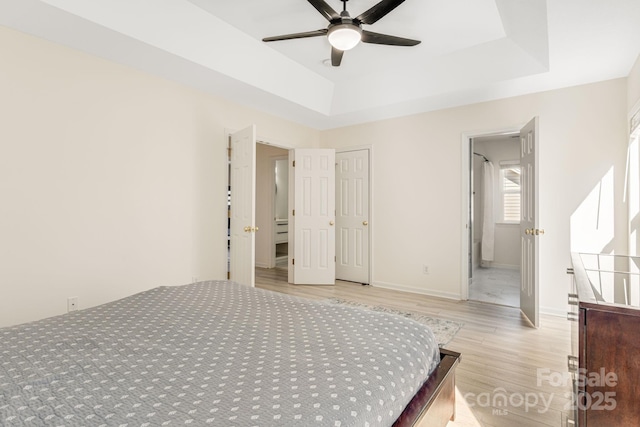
x,y
434,404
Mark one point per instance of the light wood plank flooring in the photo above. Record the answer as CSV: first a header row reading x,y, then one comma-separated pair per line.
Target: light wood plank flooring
x,y
501,354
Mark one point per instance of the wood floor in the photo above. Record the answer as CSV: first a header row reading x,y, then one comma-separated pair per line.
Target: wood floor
x,y
498,381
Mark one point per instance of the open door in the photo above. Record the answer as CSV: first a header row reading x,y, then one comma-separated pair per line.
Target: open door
x,y
242,157
312,217
529,230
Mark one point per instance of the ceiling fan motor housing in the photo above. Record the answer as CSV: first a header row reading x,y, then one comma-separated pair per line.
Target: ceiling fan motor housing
x,y
344,34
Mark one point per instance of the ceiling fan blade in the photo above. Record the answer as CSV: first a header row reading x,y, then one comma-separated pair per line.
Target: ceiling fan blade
x,y
316,33
336,56
324,9
378,11
377,38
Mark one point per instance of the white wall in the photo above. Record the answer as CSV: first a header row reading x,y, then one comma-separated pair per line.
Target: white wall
x,y
633,89
112,181
417,182
507,236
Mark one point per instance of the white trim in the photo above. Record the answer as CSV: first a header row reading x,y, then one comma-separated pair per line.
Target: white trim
x,y
413,290
372,222
465,151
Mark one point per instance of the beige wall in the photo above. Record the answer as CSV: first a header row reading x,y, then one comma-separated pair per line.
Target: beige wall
x,y
417,183
112,181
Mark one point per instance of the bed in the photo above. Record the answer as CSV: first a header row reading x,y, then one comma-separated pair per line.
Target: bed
x,y
223,354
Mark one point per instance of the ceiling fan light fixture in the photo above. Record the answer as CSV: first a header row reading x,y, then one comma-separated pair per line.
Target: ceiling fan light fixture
x,y
344,36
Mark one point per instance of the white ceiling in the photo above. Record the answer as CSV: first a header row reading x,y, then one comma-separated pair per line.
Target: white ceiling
x,y
471,50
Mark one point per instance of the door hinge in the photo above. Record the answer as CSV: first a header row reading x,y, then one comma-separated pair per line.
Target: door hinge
x,y
293,261
335,258
229,148
293,213
228,275
294,163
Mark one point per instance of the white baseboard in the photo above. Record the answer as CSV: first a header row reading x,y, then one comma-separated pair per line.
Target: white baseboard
x,y
263,265
421,291
553,312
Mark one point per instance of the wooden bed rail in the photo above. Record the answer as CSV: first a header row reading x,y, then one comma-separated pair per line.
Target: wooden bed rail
x,y
434,404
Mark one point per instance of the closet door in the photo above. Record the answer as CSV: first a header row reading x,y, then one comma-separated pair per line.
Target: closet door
x,y
312,220
352,216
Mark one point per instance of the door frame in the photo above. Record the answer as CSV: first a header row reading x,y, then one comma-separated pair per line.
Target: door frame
x,y
466,153
372,222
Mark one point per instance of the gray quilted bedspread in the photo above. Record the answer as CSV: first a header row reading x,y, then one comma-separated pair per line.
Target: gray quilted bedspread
x,y
213,353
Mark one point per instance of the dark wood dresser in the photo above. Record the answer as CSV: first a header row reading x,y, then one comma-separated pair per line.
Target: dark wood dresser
x,y
605,365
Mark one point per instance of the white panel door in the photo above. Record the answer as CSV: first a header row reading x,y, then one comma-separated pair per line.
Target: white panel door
x,y
529,223
313,217
352,216
243,214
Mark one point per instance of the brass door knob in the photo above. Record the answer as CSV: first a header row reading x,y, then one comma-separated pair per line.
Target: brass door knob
x,y
247,229
331,222
534,231
365,222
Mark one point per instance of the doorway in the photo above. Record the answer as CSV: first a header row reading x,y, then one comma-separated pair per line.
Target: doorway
x,y
528,225
272,177
495,207
494,234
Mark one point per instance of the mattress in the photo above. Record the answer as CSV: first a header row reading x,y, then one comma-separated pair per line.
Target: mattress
x,y
213,353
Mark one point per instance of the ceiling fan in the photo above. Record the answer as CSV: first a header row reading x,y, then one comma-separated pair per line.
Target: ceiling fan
x,y
345,33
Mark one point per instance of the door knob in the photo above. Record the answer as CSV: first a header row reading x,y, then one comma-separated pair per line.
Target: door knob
x,y
365,222
331,222
247,229
534,231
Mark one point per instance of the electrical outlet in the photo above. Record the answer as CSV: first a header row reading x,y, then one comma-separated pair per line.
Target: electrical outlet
x,y
72,304
425,269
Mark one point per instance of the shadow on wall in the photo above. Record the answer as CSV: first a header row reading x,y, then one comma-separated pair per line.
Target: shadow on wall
x,y
592,225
